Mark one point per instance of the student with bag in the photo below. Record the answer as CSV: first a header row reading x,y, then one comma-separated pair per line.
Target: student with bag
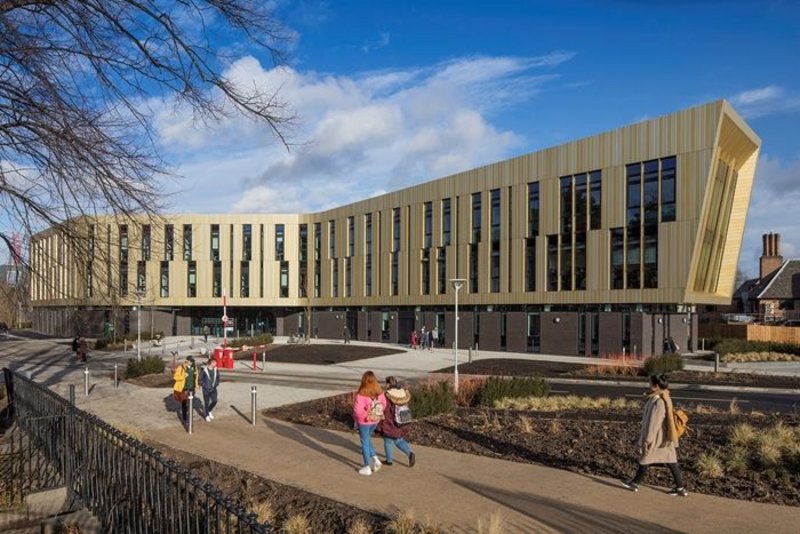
x,y
658,438
368,410
209,381
394,425
185,377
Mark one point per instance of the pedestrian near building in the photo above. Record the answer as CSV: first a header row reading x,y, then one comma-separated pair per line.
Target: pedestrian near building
x,y
368,411
185,378
76,343
346,334
392,432
435,337
206,331
83,349
412,339
658,438
209,382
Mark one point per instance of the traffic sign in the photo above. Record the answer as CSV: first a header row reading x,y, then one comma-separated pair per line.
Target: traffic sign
x,y
224,319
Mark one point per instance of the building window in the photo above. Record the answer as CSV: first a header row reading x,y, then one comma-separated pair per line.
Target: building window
x,y
530,264
395,229
595,200
334,278
533,209
261,260
141,276
187,242
394,273
317,259
214,242
164,279
368,255
351,236
580,261
442,271
617,258
473,268
566,205
581,202
244,279
446,218
332,238
476,218
494,266
426,271
169,242
668,172
552,263
284,281
123,243
428,226
348,279
303,274
146,242
90,247
247,242
279,241
191,279
123,278
216,288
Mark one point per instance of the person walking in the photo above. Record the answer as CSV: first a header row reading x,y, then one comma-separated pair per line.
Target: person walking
x,y
206,331
346,334
83,349
393,433
209,382
76,343
435,337
185,377
368,411
412,339
658,438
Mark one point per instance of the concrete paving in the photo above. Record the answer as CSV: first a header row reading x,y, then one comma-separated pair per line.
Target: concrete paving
x,y
453,489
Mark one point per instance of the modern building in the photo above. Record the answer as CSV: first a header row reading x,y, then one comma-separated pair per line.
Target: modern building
x,y
593,247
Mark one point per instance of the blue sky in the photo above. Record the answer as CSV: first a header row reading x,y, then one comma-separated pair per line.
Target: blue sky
x,y
390,94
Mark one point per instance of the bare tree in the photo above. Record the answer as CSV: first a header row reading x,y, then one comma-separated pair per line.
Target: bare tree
x,y
75,79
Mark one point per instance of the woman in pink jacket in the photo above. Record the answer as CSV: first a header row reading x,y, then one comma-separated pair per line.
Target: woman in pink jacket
x,y
368,412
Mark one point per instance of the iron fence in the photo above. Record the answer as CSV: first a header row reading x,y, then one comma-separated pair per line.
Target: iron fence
x,y
127,485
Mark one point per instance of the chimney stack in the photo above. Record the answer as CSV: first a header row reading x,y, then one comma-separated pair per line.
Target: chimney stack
x,y
771,258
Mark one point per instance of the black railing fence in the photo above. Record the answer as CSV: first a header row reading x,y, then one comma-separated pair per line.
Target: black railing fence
x,y
127,485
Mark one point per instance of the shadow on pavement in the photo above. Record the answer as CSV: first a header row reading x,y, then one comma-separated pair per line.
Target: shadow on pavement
x,y
239,413
291,432
563,516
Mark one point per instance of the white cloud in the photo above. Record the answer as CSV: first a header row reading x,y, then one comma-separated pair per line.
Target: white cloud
x,y
382,42
358,135
764,101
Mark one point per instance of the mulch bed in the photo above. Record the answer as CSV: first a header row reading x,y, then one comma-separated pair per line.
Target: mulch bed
x,y
323,514
544,369
318,353
596,442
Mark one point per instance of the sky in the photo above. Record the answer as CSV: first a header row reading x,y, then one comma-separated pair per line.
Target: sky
x,y
391,94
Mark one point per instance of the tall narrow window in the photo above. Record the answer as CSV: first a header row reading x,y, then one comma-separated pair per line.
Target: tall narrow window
x,y
394,274
247,242
446,217
191,279
476,218
494,260
279,241
303,263
123,243
595,199
317,259
368,255
146,242
530,264
473,268
214,242
164,279
261,260
187,242
566,205
442,270
216,287
334,277
244,279
284,281
634,226
552,263
617,258
395,229
351,236
426,271
169,242
581,203
668,189
141,276
533,232
332,238
428,226
580,261
348,277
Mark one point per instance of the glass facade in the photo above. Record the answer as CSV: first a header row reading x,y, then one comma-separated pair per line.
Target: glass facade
x,y
247,242
169,242
187,242
146,241
280,238
368,255
494,259
164,279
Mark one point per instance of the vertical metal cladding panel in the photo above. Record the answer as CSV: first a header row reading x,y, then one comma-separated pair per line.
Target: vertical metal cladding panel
x,y
516,331
638,339
490,331
679,329
610,333
375,324
363,326
649,334
465,333
559,331
394,328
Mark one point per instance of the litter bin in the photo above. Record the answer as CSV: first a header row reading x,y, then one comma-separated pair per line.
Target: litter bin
x,y
219,357
227,359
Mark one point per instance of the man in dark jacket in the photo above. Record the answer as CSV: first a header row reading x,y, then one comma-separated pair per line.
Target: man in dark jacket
x,y
209,381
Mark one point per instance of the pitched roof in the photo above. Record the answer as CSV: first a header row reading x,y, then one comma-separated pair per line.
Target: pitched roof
x,y
785,284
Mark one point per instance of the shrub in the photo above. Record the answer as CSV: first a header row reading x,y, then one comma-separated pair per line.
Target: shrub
x,y
297,524
432,399
737,462
100,344
666,363
710,466
734,346
497,388
565,402
264,339
150,365
742,435
402,523
359,526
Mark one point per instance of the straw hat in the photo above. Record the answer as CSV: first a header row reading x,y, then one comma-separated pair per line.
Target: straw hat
x,y
398,395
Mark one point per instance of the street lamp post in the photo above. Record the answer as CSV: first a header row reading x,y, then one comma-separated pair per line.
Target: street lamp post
x,y
139,295
456,283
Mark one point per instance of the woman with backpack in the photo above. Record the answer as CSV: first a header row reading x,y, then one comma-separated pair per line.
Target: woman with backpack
x,y
368,411
393,427
658,438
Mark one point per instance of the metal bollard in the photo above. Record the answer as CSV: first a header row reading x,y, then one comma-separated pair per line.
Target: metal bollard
x,y
191,411
470,355
116,375
716,362
72,394
86,381
124,345
476,350
263,361
253,405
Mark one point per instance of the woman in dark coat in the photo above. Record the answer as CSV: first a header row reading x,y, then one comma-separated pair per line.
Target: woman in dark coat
x,y
394,434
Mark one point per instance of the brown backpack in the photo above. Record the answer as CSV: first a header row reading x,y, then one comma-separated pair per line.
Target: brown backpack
x,y
681,420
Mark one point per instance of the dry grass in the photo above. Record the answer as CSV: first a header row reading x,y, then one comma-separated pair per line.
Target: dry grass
x,y
494,523
737,460
705,409
467,390
524,424
768,452
360,526
742,435
616,365
263,510
133,432
733,407
296,524
710,465
555,427
741,357
557,403
402,523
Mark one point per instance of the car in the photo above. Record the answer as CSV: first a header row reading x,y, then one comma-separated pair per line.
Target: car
x,y
3,330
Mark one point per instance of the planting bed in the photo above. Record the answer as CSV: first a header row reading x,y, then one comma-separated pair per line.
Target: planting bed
x,y
318,353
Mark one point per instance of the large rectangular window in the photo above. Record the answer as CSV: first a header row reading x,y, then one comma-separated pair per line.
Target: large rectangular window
x,y
169,242
191,279
476,218
244,279
187,242
280,237
247,242
146,240
214,242
164,279
446,222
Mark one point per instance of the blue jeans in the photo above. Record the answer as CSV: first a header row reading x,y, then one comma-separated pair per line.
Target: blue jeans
x,y
365,434
401,443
